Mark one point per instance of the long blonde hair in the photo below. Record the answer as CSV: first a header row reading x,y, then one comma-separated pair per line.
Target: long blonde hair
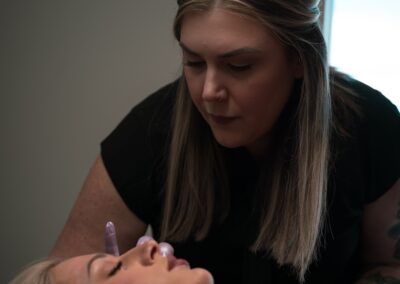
x,y
294,194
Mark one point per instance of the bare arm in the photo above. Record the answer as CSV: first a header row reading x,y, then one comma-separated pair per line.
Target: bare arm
x,y
381,239
97,203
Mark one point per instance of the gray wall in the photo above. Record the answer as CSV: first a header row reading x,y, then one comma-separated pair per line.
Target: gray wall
x,y
69,72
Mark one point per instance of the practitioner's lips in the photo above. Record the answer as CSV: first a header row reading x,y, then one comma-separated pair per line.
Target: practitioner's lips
x,y
221,119
174,262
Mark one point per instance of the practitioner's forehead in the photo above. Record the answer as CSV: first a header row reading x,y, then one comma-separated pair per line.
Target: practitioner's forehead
x,y
219,31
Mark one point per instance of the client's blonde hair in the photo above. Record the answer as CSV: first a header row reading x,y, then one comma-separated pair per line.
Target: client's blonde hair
x,y
36,272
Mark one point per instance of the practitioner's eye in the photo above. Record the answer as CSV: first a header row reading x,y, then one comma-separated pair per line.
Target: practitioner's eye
x,y
194,64
115,269
239,67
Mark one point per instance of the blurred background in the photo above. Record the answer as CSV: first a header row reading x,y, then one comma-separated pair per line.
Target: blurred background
x,y
71,70
365,42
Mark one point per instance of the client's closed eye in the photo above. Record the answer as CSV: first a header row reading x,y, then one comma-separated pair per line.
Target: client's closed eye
x,y
115,269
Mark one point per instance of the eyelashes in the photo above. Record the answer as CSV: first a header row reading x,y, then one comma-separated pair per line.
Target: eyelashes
x,y
230,66
194,64
115,269
240,68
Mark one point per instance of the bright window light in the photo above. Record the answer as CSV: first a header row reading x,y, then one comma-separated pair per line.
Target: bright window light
x,y
365,43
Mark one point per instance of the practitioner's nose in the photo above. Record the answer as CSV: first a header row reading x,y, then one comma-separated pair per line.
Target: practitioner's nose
x,y
213,87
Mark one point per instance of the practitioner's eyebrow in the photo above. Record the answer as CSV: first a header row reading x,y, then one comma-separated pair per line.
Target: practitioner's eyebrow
x,y
90,262
231,53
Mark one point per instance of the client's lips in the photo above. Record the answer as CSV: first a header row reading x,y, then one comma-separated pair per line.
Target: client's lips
x,y
174,262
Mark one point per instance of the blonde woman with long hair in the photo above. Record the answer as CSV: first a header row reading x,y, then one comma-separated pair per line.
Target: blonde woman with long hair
x,y
260,163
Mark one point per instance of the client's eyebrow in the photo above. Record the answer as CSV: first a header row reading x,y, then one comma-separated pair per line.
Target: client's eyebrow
x,y
223,55
90,262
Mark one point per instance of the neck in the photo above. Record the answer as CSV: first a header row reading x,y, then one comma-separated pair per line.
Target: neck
x,y
259,149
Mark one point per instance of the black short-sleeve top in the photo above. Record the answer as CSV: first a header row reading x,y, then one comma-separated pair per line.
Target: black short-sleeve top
x,y
364,167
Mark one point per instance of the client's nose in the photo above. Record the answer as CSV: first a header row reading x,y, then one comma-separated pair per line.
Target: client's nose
x,y
144,253
148,251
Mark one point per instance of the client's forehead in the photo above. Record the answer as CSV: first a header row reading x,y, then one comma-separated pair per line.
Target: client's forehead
x,y
71,270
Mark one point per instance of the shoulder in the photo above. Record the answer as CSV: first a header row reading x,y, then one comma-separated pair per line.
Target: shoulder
x,y
140,140
134,153
147,120
374,132
155,105
372,106
163,97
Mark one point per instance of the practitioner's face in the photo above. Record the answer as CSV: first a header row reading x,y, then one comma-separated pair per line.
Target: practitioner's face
x,y
238,74
141,265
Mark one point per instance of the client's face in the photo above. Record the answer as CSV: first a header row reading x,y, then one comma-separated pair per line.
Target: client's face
x,y
143,264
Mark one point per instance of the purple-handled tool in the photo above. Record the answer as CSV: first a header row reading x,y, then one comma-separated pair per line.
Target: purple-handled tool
x,y
111,239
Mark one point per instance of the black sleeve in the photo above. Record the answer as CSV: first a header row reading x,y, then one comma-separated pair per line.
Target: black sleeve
x,y
382,141
133,151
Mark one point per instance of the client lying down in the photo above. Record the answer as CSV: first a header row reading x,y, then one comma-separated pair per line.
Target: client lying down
x,y
148,262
